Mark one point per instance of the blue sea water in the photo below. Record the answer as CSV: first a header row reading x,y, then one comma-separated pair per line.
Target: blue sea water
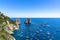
x,y
37,31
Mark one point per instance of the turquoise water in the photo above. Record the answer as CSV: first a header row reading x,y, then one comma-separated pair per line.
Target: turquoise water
x,y
37,31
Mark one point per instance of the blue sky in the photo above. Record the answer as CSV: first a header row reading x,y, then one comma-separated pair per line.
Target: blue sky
x,y
30,8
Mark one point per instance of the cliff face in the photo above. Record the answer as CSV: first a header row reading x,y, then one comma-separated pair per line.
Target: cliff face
x,y
6,27
5,18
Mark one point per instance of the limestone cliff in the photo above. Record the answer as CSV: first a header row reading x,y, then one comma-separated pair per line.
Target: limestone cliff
x,y
6,27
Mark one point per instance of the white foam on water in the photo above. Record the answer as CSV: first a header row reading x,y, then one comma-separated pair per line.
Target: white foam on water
x,y
41,30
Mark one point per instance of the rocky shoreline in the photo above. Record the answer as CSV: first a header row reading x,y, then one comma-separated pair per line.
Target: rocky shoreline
x,y
7,26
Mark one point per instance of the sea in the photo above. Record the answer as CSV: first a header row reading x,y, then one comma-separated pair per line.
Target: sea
x,y
39,29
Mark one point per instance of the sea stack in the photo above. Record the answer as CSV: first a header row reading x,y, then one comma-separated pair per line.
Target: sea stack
x,y
17,23
27,21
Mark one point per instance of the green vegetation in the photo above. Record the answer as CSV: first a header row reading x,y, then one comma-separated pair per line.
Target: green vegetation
x,y
3,22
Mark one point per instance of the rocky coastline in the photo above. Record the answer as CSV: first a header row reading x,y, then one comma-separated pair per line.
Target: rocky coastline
x,y
7,26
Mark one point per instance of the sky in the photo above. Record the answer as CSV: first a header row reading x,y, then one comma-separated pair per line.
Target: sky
x,y
31,8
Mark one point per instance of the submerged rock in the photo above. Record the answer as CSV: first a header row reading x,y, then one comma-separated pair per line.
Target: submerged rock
x,y
45,25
